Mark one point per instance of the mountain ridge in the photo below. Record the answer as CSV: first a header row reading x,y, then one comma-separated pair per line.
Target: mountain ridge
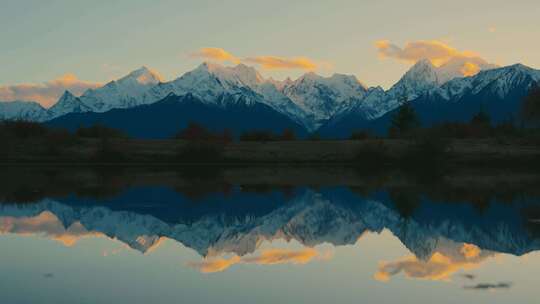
x,y
236,113
334,105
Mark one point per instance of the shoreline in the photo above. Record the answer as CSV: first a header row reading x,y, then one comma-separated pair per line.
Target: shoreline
x,y
372,152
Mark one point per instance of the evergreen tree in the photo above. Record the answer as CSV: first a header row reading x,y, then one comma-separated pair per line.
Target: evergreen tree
x,y
480,125
405,120
482,118
530,111
288,135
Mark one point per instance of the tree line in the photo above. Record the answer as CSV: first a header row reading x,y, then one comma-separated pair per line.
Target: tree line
x,y
404,124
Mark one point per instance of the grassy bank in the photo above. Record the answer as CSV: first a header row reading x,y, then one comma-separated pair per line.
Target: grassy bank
x,y
368,152
26,142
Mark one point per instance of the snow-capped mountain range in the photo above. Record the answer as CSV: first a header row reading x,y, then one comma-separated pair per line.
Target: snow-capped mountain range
x,y
22,110
311,100
125,92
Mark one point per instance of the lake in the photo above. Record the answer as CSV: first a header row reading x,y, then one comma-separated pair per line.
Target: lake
x,y
280,234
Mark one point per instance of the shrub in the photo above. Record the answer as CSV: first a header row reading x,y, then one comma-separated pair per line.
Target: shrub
x,y
99,131
200,152
193,132
196,132
22,129
530,110
360,135
482,118
60,137
107,152
372,154
315,137
258,136
460,130
288,135
428,147
506,129
431,146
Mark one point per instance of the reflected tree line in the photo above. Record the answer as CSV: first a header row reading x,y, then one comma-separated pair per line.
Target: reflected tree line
x,y
475,186
406,191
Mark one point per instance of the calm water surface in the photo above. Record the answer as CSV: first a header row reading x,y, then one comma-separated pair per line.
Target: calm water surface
x,y
268,235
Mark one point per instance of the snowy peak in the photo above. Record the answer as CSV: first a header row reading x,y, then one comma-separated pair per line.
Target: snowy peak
x,y
202,82
125,92
210,82
523,69
459,67
67,96
247,75
424,76
419,78
143,76
280,85
340,82
500,81
423,68
322,97
347,79
310,76
240,75
68,103
67,99
22,110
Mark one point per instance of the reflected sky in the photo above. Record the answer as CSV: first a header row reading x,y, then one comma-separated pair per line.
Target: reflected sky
x,y
317,244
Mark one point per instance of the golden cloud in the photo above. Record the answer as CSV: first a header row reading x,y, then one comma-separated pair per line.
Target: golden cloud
x,y
266,257
266,62
217,54
215,264
440,266
48,225
281,63
283,256
470,69
46,93
437,52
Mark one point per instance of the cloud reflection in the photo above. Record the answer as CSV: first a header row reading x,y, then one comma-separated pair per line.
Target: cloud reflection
x,y
489,286
443,263
265,257
48,225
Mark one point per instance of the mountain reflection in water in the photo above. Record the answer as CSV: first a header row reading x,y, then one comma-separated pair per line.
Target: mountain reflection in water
x,y
450,223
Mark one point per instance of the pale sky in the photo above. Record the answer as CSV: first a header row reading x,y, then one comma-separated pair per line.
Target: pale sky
x,y
100,40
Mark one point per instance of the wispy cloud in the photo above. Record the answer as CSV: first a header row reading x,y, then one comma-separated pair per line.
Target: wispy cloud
x,y
440,266
266,62
217,54
266,257
282,63
283,256
436,51
46,93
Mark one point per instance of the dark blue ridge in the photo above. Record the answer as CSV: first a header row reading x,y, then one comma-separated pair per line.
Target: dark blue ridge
x,y
165,118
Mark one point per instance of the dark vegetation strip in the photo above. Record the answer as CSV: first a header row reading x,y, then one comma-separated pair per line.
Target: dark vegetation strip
x,y
407,144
